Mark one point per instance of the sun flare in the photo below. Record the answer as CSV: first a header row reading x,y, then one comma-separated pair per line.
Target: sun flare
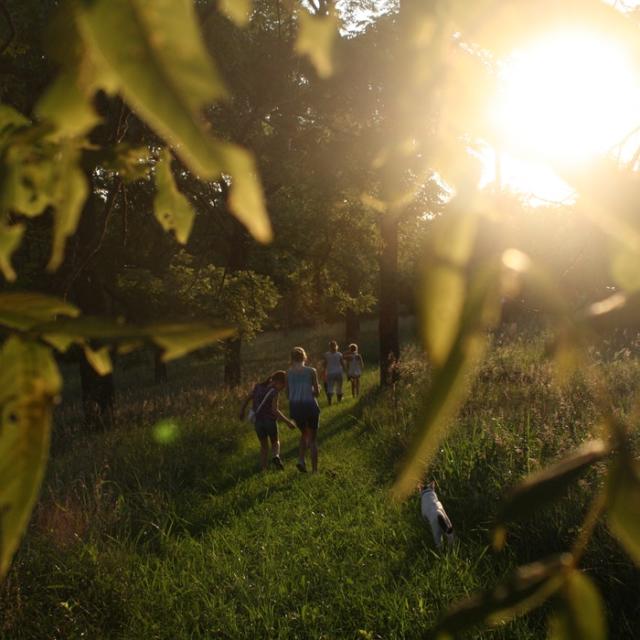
x,y
567,98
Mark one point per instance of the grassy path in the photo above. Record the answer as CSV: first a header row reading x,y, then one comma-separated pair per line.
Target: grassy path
x,y
290,555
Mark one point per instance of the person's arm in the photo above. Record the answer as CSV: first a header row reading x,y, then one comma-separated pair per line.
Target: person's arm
x,y
361,361
314,383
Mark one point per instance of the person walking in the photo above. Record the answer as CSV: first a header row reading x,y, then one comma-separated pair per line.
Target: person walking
x,y
302,391
334,368
355,365
266,413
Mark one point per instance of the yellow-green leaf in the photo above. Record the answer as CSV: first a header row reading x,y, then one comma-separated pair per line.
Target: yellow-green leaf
x,y
179,339
71,193
547,485
623,496
29,384
238,11
67,107
23,311
10,119
625,267
172,209
581,615
155,55
444,282
246,200
527,588
10,238
99,359
316,38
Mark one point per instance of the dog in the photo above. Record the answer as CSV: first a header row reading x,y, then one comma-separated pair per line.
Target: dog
x,y
433,512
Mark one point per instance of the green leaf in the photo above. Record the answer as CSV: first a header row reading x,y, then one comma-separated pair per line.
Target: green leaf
x,y
23,311
30,181
67,107
444,283
172,209
625,267
581,616
245,199
99,359
10,238
10,119
179,339
450,384
154,54
526,589
542,488
238,11
71,193
316,38
176,339
623,496
29,383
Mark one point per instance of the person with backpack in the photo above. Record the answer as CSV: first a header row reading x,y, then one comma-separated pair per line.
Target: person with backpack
x,y
302,391
265,414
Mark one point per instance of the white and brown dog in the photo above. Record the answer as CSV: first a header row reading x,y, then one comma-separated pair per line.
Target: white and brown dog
x,y
433,512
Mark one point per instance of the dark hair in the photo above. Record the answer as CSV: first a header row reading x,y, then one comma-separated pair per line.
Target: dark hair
x,y
276,376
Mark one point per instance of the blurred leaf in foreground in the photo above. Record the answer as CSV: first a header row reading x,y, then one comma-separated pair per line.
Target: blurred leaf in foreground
x,y
581,613
23,311
526,589
29,384
316,39
172,209
623,495
544,487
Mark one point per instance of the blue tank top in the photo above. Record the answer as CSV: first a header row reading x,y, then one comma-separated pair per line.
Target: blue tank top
x,y
300,383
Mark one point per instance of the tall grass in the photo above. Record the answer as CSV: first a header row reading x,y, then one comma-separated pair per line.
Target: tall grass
x,y
164,528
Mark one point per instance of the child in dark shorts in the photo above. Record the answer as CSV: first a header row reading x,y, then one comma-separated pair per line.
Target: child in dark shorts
x,y
302,391
264,397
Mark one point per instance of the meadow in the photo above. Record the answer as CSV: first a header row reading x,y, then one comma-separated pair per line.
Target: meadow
x,y
163,528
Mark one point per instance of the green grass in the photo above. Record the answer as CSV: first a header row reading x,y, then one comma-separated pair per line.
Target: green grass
x,y
134,538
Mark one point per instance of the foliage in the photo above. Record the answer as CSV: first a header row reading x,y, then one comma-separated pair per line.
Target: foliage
x,y
154,57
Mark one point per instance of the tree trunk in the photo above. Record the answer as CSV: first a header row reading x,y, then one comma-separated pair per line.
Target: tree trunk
x,y
237,261
388,319
352,326
159,367
233,362
98,396
352,318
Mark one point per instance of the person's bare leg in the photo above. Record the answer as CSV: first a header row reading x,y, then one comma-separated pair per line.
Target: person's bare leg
x,y
275,447
357,386
302,449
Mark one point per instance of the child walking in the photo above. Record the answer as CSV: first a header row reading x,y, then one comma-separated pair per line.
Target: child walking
x,y
334,368
302,390
354,368
264,397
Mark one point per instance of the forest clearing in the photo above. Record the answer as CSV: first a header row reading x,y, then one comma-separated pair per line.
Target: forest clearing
x,y
319,319
181,536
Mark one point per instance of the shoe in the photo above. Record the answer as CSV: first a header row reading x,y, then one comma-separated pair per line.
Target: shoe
x,y
301,467
278,463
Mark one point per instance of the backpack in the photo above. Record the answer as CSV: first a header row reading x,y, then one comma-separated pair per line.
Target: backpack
x,y
253,413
